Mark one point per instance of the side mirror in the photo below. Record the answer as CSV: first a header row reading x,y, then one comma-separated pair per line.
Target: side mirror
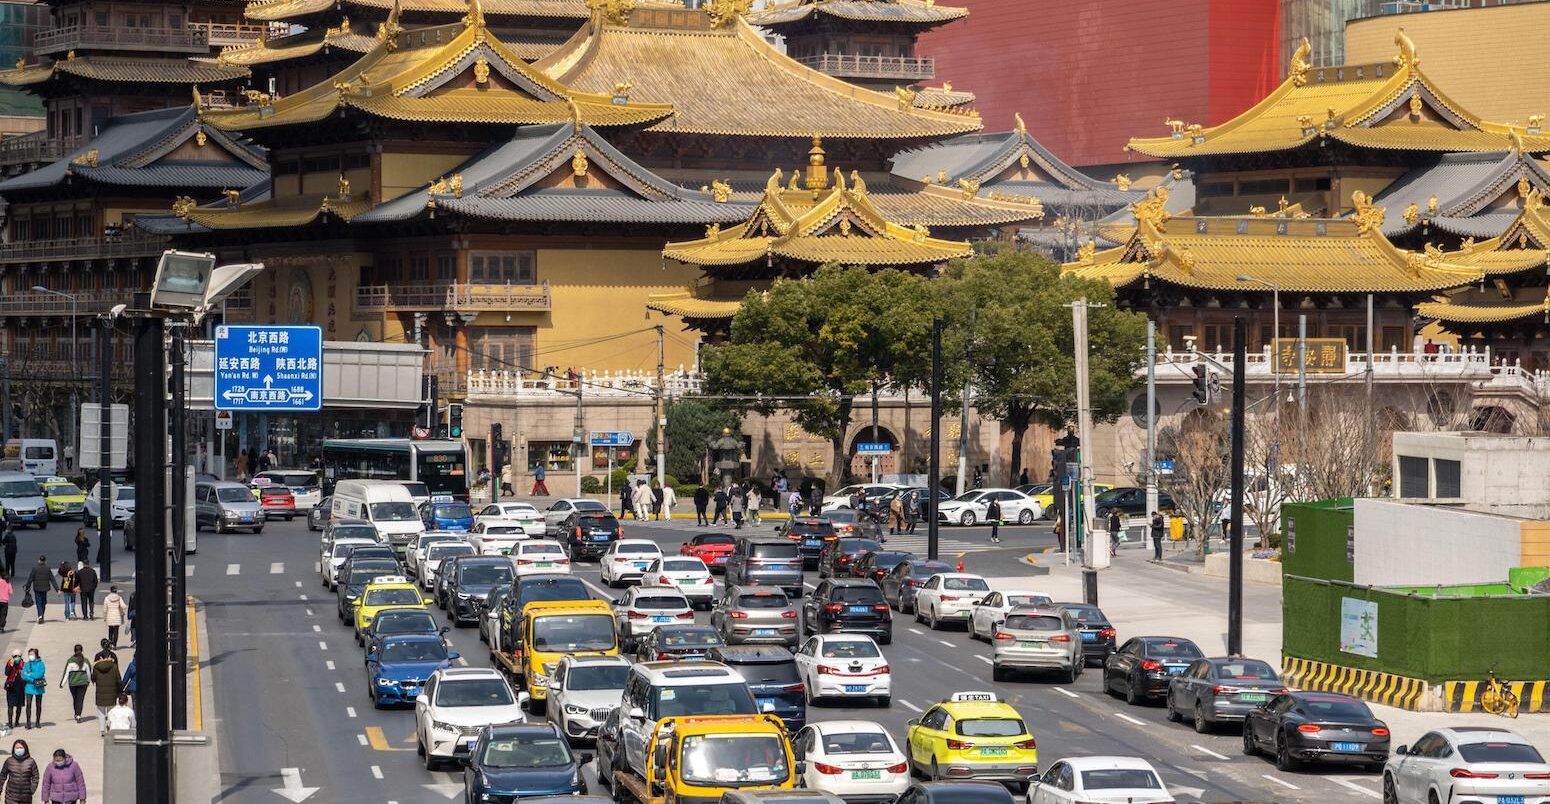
x,y
523,700
767,707
444,630
583,758
1402,751
914,721
801,767
371,656
454,656
658,773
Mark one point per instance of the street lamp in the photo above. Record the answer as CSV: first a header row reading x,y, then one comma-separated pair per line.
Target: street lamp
x,y
74,403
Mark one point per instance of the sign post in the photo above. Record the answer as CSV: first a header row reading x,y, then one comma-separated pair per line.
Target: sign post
x,y
874,450
611,439
262,367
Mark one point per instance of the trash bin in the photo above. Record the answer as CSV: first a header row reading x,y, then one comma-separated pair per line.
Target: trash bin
x,y
1176,528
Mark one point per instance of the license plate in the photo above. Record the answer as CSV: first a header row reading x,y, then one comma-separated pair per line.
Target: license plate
x,y
1509,800
1174,670
857,775
811,543
1253,698
640,565
1032,644
599,537
859,609
992,752
661,619
1346,746
764,632
686,581
1089,637
719,560
468,742
855,688
247,519
544,564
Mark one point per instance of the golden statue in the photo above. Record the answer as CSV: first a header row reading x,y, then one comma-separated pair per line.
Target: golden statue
x,y
89,159
622,89
1122,181
1416,106
1152,209
1305,122
578,163
475,16
941,176
1176,171
70,56
1524,187
233,198
388,31
1431,205
919,233
1022,160
1412,213
344,188
1017,117
796,179
438,187
1087,253
200,138
1433,253
927,179
1368,218
772,184
905,97
1187,260
844,227
712,231
1535,122
1175,126
256,98
481,70
1297,71
183,206
1281,206
612,12
720,191
1258,211
969,187
1469,243
21,62
1407,54
839,178
455,184
723,12
1195,130
857,184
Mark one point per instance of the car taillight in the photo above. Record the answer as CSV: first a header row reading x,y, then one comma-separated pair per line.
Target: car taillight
x,y
1380,732
832,607
1310,728
1027,745
578,533
880,671
831,770
562,561
709,580
958,745
636,615
911,582
946,598
1536,775
902,767
1107,633
685,615
738,615
1465,773
1003,636
523,562
825,668
1060,638
1150,665
619,531
880,607
788,615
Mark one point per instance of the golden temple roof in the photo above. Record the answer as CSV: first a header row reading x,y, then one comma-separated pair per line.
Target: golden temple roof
x,y
1381,106
458,73
1494,305
126,69
726,79
919,12
685,304
268,215
281,10
813,220
1300,255
936,205
269,51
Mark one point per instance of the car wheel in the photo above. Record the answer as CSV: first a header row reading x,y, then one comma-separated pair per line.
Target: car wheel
x,y
966,519
1132,695
933,774
1026,517
258,530
1072,672
885,639
1284,760
220,526
1249,746
430,761
419,745
1173,714
931,619
1390,795
884,701
998,673
1202,724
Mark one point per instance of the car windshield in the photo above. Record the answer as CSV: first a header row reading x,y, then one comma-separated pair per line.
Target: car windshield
x,y
1027,600
22,488
763,600
1034,622
661,602
1120,779
841,515
232,494
299,479
682,565
541,548
969,496
1500,752
393,512
393,597
452,511
782,673
1088,616
122,493
473,692
775,551
355,532
568,633
702,699
1337,709
858,742
590,505
552,589
344,549
713,538
417,489
645,548
418,650
850,649
404,622
734,760
440,551
857,594
599,522
503,530
536,751
63,490
697,637
1245,671
587,677
889,560
965,585
1172,650
813,527
484,574
992,727
429,539
928,569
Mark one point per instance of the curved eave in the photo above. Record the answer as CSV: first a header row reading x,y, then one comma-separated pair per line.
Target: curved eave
x,y
690,307
907,12
1453,312
1430,138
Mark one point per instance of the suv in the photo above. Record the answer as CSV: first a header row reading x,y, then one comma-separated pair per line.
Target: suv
x,y
809,533
771,673
456,704
657,690
1128,500
838,556
587,534
848,606
748,614
766,562
469,578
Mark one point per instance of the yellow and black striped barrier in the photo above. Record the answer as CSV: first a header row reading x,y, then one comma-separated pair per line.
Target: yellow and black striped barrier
x,y
1464,696
1369,685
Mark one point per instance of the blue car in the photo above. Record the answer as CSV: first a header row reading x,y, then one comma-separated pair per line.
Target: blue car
x,y
397,669
443,513
521,761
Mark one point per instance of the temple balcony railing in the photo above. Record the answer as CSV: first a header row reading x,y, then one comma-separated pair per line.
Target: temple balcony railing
x,y
193,40
1393,366
32,148
87,302
452,297
612,385
221,34
844,65
127,244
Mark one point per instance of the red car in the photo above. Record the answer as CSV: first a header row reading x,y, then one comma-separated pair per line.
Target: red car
x,y
277,501
711,548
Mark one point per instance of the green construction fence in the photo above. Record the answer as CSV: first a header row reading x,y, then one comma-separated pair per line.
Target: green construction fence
x,y
1313,539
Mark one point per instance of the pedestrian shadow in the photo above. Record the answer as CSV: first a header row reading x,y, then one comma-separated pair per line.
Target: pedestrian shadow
x,y
221,657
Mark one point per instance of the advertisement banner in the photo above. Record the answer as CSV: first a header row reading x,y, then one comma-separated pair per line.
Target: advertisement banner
x,y
1359,627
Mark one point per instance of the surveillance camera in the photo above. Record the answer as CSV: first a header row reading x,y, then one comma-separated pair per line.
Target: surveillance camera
x,y
117,310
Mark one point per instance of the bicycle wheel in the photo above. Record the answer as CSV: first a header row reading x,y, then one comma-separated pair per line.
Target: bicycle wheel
x,y
1510,703
1489,701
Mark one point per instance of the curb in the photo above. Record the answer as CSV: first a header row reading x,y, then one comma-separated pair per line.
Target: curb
x,y
1401,692
1464,696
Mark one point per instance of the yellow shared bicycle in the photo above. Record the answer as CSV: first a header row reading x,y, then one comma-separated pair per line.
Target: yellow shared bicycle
x,y
1498,698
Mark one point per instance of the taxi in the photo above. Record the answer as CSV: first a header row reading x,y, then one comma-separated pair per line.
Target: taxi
x,y
973,735
1045,494
385,592
63,498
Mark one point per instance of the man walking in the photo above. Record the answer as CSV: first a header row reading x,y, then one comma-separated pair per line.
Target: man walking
x,y
540,489
701,503
1115,526
794,503
669,500
815,500
738,502
86,584
720,516
8,542
993,516
41,582
1157,535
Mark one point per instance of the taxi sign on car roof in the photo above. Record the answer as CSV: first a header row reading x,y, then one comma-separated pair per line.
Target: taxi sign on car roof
x,y
441,498
390,579
982,697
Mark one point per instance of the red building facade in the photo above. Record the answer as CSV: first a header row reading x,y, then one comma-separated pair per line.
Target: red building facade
x,y
1087,76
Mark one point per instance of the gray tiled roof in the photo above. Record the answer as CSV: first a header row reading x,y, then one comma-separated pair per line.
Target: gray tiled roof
x,y
982,156
1464,184
1181,199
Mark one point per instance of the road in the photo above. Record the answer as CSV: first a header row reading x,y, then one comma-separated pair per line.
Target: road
x,y
290,684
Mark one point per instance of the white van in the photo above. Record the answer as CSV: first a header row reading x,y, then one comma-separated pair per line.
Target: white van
x,y
384,503
39,456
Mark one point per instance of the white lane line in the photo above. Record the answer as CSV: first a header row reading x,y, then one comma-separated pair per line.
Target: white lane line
x,y
322,646
339,685
376,772
462,661
917,631
350,710
317,629
298,584
1282,782
188,570
1208,752
945,642
1129,719
985,659
317,566
329,664
303,598
1353,786
1066,692
309,613
361,738
277,568
233,569
909,706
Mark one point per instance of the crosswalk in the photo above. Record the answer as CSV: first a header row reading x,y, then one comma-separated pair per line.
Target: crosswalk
x,y
946,545
275,568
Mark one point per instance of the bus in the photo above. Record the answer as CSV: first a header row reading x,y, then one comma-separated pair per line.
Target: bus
x,y
441,465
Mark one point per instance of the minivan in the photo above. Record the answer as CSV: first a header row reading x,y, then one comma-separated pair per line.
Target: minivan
x,y
39,456
22,499
384,503
224,505
766,562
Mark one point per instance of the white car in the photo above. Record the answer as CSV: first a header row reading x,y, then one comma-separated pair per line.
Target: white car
x,y
539,555
844,666
496,538
333,556
973,506
560,510
851,759
414,557
1462,763
437,553
948,596
687,574
513,513
1099,780
457,703
627,560
122,503
583,690
840,500
642,608
991,609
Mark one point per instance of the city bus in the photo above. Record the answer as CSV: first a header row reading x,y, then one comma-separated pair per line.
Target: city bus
x,y
441,465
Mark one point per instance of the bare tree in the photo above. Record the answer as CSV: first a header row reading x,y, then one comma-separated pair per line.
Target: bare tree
x,y
1200,451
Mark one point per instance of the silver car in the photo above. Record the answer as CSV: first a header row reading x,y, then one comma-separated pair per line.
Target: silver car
x,y
224,506
583,690
755,615
1037,638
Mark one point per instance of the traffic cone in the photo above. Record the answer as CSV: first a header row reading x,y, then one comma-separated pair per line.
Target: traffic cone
x,y
960,563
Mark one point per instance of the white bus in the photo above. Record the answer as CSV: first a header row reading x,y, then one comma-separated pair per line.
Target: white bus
x,y
441,465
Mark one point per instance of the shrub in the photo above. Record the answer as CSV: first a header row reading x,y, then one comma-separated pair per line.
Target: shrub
x,y
591,485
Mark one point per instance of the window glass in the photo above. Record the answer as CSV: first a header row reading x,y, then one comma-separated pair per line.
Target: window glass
x,y
1500,752
850,649
1120,779
474,692
860,742
992,727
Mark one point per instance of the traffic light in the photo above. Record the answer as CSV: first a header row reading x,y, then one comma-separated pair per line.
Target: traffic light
x,y
498,444
454,420
1202,383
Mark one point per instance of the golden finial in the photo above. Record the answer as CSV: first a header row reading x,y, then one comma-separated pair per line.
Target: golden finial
x,y
578,163
1022,160
773,183
723,12
70,56
1431,205
1122,181
344,188
941,176
905,97
183,206
927,179
233,198
720,191
969,188
1412,213
437,187
1281,206
1086,252
1152,210
817,175
839,178
455,185
1407,55
947,86
481,70
475,16
1368,218
1297,71
88,159
200,138
796,179
1017,118
857,184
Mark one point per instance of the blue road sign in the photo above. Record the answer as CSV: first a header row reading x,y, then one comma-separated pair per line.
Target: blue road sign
x,y
873,448
268,368
612,438
1163,466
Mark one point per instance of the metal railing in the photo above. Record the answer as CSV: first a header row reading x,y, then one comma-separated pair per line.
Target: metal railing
x,y
129,244
87,302
192,39
452,297
220,34
1390,366
32,147
633,384
916,68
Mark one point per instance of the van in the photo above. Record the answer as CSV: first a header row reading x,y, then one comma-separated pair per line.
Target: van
x,y
552,630
384,503
224,505
22,499
39,456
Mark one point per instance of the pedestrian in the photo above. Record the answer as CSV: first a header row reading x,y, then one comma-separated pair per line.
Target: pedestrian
x,y
793,503
1115,528
720,515
815,500
19,774
739,501
669,501
77,676
1022,477
114,612
35,674
242,466
755,503
701,503
1060,531
110,687
626,501
914,509
131,678
896,514
540,488
63,782
857,501
656,501
105,652
5,601
643,500
15,689
979,478
993,516
509,480
85,588
129,616
8,542
1157,535
121,717
82,545
66,575
39,584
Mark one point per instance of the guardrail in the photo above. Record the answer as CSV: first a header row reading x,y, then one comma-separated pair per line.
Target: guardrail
x,y
916,68
83,248
191,39
452,297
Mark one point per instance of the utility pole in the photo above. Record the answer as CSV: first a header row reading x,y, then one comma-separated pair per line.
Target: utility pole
x,y
875,458
1151,422
934,482
1369,352
5,397
963,412
661,412
1235,539
105,445
579,439
1095,556
178,631
153,743
1302,364
433,406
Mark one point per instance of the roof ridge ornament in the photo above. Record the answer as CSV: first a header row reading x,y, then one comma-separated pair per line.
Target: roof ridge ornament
x,y
612,12
388,31
724,12
817,176
475,16
1152,210
1022,128
1407,55
1297,71
1368,218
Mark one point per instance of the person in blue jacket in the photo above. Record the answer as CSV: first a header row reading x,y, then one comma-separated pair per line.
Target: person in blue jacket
x,y
36,677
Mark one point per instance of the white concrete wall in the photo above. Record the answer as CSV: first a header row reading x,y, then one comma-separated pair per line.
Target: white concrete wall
x,y
1402,544
1498,473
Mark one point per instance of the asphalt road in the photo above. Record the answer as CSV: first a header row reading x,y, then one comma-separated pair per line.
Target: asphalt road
x,y
290,685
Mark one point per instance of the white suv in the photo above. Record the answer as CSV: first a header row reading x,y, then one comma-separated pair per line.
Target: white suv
x,y
949,596
583,690
456,704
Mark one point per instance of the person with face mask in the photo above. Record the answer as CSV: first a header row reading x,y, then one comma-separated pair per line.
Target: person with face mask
x,y
19,775
63,782
15,690
36,675
77,676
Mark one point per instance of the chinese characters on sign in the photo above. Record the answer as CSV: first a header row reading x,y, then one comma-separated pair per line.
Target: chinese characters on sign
x,y
1321,356
1359,627
268,368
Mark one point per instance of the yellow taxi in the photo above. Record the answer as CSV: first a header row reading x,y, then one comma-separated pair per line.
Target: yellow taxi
x,y
973,735
1045,494
64,499
385,592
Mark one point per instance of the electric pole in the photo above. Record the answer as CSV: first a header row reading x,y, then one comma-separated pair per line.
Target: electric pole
x,y
178,630
934,481
105,447
963,412
661,416
1151,422
1235,539
1095,556
153,743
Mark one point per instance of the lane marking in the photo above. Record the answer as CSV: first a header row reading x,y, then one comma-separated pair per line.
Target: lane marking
x,y
1282,782
233,569
985,659
361,738
309,613
317,629
188,570
1208,752
197,690
1353,786
917,631
302,597
317,566
379,742
909,706
329,664
1129,719
339,685
298,584
376,772
277,568
945,642
1066,692
322,646
350,710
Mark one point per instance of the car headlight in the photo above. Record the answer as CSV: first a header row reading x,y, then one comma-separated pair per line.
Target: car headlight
x,y
437,725
463,596
384,682
540,679
232,515
572,709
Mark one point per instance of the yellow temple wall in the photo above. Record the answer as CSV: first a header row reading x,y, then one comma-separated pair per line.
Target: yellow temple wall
x,y
599,293
402,172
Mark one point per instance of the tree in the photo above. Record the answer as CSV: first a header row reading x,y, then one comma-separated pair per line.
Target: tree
x,y
813,344
1011,311
1200,448
691,424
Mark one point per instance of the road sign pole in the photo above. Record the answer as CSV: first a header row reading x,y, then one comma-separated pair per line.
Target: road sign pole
x,y
105,448
178,632
935,465
153,744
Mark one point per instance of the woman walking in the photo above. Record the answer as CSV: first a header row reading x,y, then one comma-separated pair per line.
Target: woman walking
x,y
82,546
63,782
77,676
114,611
15,690
35,673
66,575
19,774
110,687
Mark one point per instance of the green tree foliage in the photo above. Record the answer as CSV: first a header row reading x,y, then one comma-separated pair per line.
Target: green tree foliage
x,y
691,424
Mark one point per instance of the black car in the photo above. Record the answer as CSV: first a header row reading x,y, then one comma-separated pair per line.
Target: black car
x,y
809,532
587,534
1128,500
1303,727
1215,690
676,643
394,622
875,565
862,525
847,606
955,792
366,551
835,559
771,672
1099,639
354,574
1143,666
901,582
528,589
469,579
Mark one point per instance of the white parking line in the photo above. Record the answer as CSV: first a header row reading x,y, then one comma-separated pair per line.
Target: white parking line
x,y
1208,752
1353,786
376,772
322,646
339,685
233,569
188,570
1282,782
329,664
945,642
909,706
277,568
350,710
1129,719
361,738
